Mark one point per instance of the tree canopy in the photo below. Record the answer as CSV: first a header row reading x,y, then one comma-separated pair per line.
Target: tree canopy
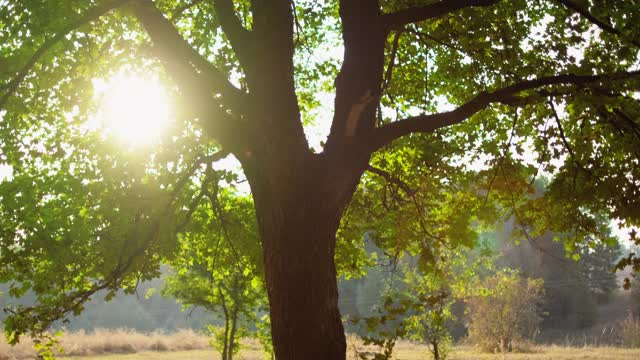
x,y
444,114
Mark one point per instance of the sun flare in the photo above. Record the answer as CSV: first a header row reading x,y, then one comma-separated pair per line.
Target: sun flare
x,y
132,108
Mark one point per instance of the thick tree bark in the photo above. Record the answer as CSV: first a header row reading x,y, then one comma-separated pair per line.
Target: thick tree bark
x,y
299,210
303,294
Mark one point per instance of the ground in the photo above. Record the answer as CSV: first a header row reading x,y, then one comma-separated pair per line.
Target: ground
x,y
187,344
407,353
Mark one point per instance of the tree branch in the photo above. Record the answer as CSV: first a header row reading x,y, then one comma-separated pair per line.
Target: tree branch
x,y
394,51
567,145
179,11
389,178
421,13
599,23
273,26
504,155
174,48
359,82
198,100
91,15
206,159
236,33
507,95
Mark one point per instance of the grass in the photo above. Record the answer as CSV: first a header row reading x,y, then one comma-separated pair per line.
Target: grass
x,y
186,344
111,341
417,353
552,353
149,355
407,353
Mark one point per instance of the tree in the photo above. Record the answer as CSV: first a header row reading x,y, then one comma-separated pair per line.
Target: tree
x,y
419,293
218,266
480,80
429,322
576,279
505,310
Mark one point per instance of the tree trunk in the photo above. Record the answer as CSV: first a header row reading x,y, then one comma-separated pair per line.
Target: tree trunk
x,y
232,335
436,349
303,293
225,347
298,222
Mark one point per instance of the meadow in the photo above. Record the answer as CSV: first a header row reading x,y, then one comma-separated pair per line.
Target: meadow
x,y
187,344
405,353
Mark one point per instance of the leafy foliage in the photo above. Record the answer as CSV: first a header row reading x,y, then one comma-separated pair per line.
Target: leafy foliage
x,y
416,302
576,278
453,108
219,268
504,310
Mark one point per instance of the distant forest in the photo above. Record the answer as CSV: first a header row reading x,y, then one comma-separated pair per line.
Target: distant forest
x,y
581,296
145,311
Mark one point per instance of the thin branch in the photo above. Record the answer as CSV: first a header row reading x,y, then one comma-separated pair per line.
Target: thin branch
x,y
193,206
180,10
530,239
423,226
472,54
560,129
392,60
505,153
220,216
508,95
567,145
391,179
421,13
91,15
207,159
599,23
388,74
240,262
301,37
629,121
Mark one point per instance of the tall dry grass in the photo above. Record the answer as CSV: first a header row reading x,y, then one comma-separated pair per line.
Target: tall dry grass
x,y
103,341
187,344
630,331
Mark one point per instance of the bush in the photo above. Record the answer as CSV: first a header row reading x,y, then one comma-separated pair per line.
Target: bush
x,y
505,312
630,331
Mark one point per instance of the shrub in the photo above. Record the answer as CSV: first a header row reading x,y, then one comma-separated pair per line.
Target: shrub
x,y
504,312
630,331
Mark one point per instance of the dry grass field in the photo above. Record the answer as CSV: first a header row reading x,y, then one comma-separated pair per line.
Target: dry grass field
x,y
186,344
111,341
415,353
546,353
551,353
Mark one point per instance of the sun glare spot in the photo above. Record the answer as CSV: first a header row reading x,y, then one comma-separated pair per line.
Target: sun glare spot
x,y
132,108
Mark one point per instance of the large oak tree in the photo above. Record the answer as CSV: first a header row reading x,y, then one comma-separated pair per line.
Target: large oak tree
x,y
420,89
